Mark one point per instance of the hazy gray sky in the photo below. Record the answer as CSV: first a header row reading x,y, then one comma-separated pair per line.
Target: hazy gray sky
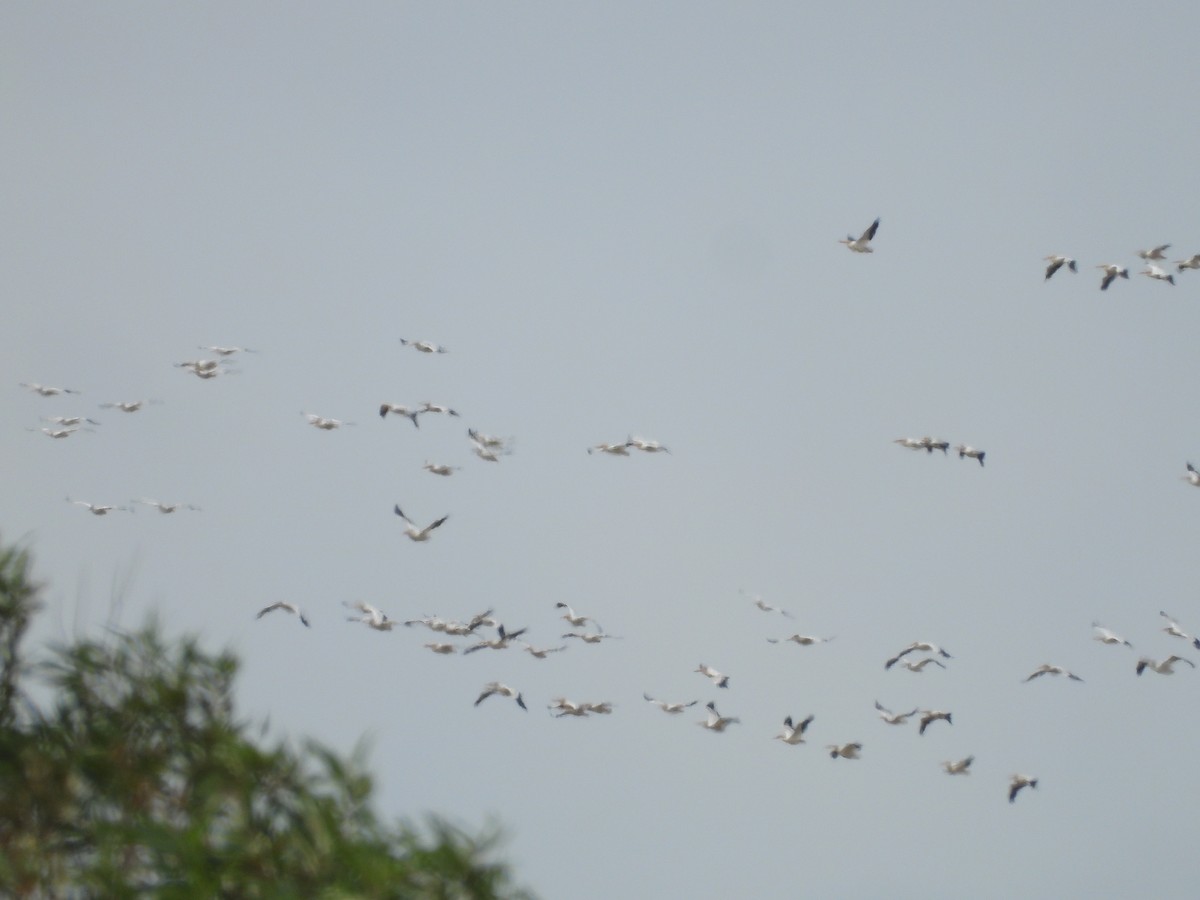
x,y
623,219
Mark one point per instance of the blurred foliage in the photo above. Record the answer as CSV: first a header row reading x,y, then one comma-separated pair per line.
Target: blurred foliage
x,y
136,779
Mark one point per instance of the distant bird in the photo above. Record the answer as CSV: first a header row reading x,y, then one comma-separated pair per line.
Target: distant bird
x,y
673,709
198,366
427,407
929,716
414,533
486,440
59,433
919,665
590,637
423,346
1192,262
166,507
917,647
371,616
647,446
767,607
495,687
911,443
1155,253
621,449
894,718
1104,636
603,709
1192,477
1018,782
286,607
567,708
97,509
716,721
1172,628
1057,262
487,454
68,421
441,649
967,451
227,351
1047,669
1111,272
845,751
932,445
541,652
499,642
1166,667
440,468
128,406
44,390
574,619
1158,274
323,423
793,733
804,640
721,681
959,767
862,243
400,410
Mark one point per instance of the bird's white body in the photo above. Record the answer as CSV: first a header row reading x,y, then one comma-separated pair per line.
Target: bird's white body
x,y
414,533
959,767
862,243
1158,274
721,681
793,733
716,721
845,751
673,709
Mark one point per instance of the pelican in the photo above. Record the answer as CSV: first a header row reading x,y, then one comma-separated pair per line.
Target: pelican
x,y
495,687
43,390
929,716
894,718
500,642
1157,273
1104,636
1047,669
400,410
921,443
567,708
932,445
673,709
440,468
427,407
59,433
227,351
1192,262
721,681
414,533
862,244
323,423
1192,477
793,734
767,607
959,767
1018,782
166,507
918,647
590,637
716,721
433,623
423,346
486,440
1156,253
1162,668
1111,271
96,509
68,421
804,640
919,665
603,709
1057,262
197,366
575,620
127,405
647,446
966,450
621,449
286,607
485,453
371,617
541,652
1172,628
441,649
845,751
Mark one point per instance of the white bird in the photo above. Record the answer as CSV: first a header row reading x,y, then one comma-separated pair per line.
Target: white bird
x,y
591,637
1172,628
603,709
919,665
716,721
541,652
59,433
499,642
793,733
921,443
845,751
128,406
166,507
227,351
1111,272
97,509
423,346
721,681
440,468
967,451
1158,274
1048,669
894,718
286,607
918,647
1162,668
415,533
621,449
929,716
1104,636
862,243
574,619
1192,477
427,407
441,649
371,616
673,709
68,421
932,445
567,708
804,640
1018,782
959,767
323,423
199,366
647,446
400,409
766,607
1155,253
495,687
486,440
1057,262
487,454
43,390
1192,262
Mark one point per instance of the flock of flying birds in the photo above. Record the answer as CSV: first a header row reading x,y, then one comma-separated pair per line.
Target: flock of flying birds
x,y
482,631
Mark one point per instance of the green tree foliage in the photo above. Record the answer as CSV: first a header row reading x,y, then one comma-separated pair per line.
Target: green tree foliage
x,y
136,779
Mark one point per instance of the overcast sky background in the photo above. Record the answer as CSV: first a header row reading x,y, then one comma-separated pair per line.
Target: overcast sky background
x,y
622,218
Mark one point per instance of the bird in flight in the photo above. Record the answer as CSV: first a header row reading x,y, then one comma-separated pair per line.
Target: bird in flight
x,y
166,507
1172,628
1192,262
97,509
929,716
764,606
894,718
1166,667
793,733
323,423
286,607
574,619
1057,262
1017,783
400,409
1104,636
495,687
862,243
621,449
959,767
716,721
966,451
414,533
1047,669
721,681
1155,252
1158,274
423,346
440,468
371,616
804,640
646,446
541,652
918,647
673,709
128,406
845,751
1111,271
44,390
